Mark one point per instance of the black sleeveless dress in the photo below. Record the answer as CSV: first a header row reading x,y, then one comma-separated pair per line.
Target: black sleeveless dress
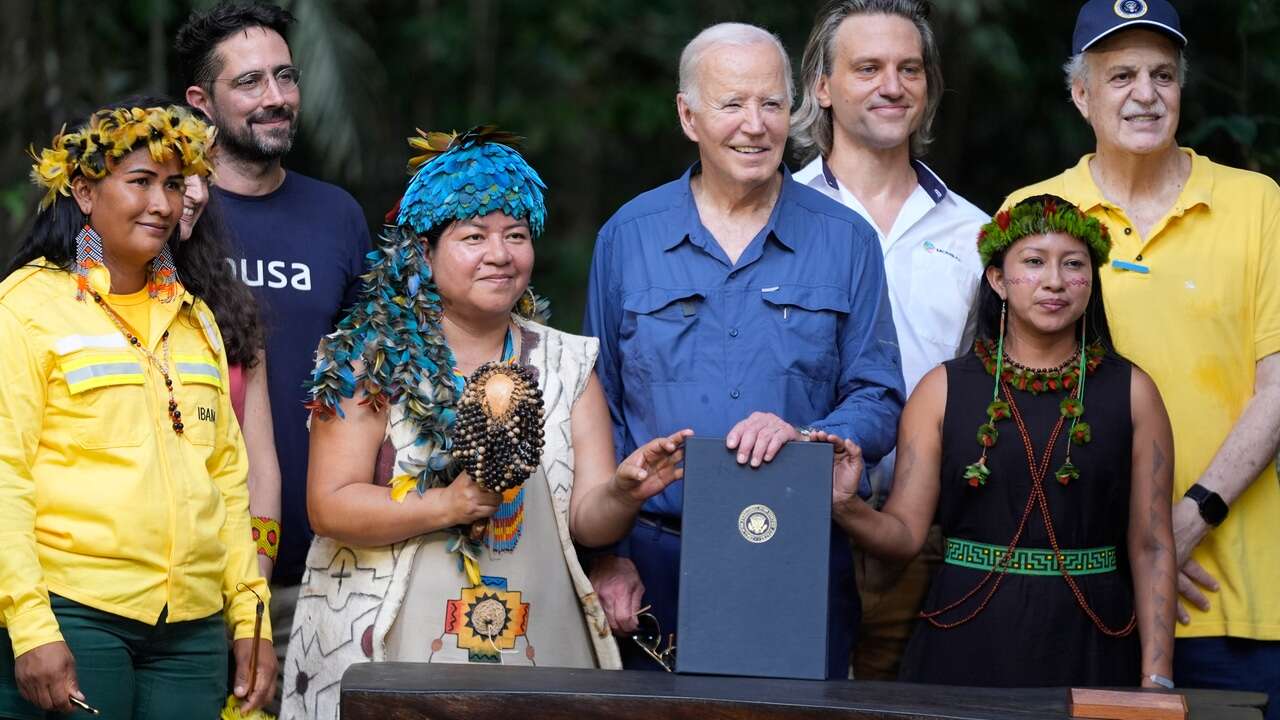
x,y
1033,631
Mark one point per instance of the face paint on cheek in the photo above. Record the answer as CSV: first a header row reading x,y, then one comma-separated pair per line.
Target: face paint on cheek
x,y
1079,282
1029,279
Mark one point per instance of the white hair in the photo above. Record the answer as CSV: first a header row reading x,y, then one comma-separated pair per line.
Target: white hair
x,y
1076,68
728,33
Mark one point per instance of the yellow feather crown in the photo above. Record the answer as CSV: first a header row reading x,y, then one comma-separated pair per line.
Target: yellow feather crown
x,y
113,133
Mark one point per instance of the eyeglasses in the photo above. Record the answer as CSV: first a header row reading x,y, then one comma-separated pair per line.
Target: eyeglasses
x,y
254,84
649,637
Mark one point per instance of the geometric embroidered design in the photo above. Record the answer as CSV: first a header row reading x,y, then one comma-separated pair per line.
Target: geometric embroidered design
x,y
487,619
1030,561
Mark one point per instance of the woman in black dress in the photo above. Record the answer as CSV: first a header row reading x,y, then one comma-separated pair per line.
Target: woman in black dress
x,y
1059,565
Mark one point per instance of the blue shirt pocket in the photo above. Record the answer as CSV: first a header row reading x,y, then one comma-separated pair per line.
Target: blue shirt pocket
x,y
806,321
658,332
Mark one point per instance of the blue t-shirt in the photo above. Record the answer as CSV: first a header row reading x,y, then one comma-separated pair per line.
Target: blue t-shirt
x,y
301,250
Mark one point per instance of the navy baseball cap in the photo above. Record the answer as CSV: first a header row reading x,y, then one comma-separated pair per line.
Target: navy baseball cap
x,y
1100,18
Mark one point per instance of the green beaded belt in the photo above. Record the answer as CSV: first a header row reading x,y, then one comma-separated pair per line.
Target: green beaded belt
x,y
1029,561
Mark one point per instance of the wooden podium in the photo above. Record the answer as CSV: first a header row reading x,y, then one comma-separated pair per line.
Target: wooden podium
x,y
405,691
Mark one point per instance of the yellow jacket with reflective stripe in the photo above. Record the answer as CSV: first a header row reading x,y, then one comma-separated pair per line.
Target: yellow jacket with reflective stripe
x,y
101,501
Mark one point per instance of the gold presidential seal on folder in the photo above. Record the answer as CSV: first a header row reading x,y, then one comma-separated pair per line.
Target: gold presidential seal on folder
x,y
757,523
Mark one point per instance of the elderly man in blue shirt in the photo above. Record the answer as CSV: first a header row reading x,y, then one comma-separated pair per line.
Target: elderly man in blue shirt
x,y
740,303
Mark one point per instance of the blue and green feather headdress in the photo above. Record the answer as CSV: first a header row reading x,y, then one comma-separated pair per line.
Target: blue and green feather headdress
x,y
472,174
393,330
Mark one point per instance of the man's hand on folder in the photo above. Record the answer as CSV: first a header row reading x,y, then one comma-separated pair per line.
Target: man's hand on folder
x,y
758,438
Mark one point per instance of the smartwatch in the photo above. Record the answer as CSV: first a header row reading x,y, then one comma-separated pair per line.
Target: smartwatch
x,y
1212,507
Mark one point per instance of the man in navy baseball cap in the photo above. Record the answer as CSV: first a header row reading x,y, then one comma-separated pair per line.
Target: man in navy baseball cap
x,y
1100,18
1185,302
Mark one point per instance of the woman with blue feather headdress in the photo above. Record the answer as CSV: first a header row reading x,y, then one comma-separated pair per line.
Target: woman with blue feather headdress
x,y
428,547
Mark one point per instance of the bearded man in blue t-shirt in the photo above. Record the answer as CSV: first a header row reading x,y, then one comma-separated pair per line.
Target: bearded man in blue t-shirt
x,y
298,243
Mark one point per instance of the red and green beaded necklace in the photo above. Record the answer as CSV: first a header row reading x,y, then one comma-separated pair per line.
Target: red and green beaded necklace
x,y
1070,376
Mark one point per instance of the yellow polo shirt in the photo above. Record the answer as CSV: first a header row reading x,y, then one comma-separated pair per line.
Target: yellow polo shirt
x,y
101,502
1198,322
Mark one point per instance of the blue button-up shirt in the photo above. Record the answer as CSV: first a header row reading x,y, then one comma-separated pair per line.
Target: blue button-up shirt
x,y
799,327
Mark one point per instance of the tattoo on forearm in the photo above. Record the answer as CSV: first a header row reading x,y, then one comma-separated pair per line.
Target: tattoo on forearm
x,y
1157,465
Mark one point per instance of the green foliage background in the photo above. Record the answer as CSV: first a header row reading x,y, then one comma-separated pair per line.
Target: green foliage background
x,y
590,83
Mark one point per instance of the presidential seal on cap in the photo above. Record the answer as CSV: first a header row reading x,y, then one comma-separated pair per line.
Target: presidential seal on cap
x,y
1100,18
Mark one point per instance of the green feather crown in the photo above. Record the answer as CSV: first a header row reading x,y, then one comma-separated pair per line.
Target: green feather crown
x,y
1041,215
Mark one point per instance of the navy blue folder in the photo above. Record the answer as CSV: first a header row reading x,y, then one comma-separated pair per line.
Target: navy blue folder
x,y
755,562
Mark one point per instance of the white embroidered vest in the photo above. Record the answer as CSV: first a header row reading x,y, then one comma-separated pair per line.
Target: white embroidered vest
x,y
350,596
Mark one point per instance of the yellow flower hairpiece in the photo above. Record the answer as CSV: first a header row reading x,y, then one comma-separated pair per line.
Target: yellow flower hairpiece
x,y
113,133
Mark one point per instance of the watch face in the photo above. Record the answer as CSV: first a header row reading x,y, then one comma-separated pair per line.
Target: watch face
x,y
1213,509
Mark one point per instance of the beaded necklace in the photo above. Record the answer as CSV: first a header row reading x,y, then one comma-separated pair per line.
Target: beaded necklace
x,y
175,415
1071,377
1055,370
1037,380
1037,492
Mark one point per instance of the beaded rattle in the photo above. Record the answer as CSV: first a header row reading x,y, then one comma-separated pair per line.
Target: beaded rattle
x,y
499,431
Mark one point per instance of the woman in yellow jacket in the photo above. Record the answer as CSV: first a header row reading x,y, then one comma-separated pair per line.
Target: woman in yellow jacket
x,y
124,514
